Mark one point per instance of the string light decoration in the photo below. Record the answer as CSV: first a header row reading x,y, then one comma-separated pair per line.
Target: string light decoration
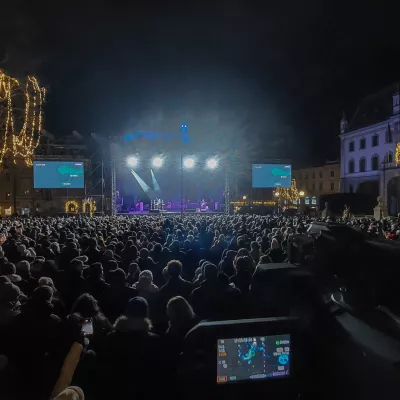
x,y
22,143
397,154
92,206
289,194
71,206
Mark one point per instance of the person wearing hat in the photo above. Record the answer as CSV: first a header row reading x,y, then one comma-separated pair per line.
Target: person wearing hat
x,y
131,356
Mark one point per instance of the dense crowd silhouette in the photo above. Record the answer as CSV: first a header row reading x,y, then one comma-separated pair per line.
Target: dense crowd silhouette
x,y
141,283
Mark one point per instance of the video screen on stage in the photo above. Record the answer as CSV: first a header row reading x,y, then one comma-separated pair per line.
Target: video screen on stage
x,y
271,176
58,175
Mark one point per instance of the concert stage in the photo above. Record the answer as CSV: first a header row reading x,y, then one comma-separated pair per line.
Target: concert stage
x,y
164,212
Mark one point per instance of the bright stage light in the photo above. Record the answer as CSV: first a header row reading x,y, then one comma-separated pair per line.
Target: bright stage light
x,y
188,162
132,161
212,163
157,162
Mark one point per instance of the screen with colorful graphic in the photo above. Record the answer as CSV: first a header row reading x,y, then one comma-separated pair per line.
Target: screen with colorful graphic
x,y
259,357
272,176
58,175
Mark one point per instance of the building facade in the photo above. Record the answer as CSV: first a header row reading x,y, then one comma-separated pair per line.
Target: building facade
x,y
318,180
368,148
17,192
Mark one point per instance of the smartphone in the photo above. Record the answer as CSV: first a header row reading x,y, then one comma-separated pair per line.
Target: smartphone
x,y
87,327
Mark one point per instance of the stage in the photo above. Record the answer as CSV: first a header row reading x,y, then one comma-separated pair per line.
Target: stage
x,y
164,212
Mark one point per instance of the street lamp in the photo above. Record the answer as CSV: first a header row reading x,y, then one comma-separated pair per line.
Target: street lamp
x,y
244,197
301,193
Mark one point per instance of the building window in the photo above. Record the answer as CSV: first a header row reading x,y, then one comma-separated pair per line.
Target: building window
x,y
332,174
313,186
362,165
8,195
389,135
320,174
362,144
351,190
306,175
313,175
320,186
351,167
375,140
389,157
332,186
8,176
351,146
375,163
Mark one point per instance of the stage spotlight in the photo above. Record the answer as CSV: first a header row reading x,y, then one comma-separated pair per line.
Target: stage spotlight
x,y
188,162
157,162
132,161
212,163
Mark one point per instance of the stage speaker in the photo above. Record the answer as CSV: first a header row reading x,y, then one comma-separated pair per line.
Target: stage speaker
x,y
191,210
154,211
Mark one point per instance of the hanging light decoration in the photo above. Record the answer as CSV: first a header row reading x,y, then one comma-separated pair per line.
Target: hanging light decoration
x,y
92,205
71,206
20,143
397,154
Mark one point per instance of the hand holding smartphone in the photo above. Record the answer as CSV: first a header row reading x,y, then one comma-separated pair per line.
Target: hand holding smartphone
x,y
87,327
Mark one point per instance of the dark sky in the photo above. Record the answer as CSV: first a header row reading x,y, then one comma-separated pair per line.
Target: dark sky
x,y
277,74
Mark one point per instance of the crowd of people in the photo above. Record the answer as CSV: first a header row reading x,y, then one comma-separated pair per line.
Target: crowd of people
x,y
117,295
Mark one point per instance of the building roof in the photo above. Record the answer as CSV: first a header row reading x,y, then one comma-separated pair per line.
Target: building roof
x,y
325,164
374,108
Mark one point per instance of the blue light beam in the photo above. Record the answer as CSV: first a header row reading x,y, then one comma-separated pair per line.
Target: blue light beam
x,y
156,186
146,188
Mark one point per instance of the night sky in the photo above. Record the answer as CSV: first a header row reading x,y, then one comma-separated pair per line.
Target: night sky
x,y
277,75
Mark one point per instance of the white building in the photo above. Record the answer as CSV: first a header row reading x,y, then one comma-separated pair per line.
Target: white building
x,y
368,147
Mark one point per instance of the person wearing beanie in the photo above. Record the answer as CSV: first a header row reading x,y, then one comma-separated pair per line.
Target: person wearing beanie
x,y
10,271
130,352
145,286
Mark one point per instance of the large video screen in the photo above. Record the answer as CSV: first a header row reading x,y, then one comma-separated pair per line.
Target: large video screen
x,y
58,175
272,176
260,357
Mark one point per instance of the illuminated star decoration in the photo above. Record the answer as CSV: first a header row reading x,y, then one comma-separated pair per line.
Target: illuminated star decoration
x,y
22,143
